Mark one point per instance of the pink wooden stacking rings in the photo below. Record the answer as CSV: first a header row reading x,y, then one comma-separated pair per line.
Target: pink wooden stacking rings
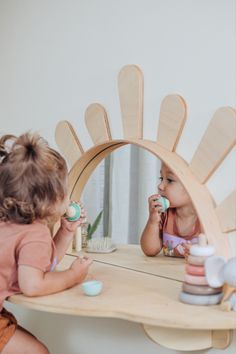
x,y
196,260
194,270
200,289
195,279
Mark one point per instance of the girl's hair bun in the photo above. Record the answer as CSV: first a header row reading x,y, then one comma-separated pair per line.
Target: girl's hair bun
x,y
30,146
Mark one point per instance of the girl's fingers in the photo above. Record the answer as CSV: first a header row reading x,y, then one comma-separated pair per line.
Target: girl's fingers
x,y
153,197
156,206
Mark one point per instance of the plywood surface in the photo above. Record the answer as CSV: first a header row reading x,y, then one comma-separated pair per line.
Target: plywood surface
x,y
132,257
133,296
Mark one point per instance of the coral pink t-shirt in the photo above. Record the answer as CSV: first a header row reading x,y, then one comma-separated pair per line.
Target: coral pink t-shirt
x,y
30,245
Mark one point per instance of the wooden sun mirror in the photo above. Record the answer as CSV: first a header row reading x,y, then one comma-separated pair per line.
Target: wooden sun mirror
x,y
217,142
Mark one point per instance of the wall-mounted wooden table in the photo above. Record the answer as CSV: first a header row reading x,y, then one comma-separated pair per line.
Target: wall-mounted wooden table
x,y
143,290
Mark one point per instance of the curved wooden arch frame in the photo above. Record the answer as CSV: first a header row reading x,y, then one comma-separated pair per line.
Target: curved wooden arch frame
x,y
217,142
198,192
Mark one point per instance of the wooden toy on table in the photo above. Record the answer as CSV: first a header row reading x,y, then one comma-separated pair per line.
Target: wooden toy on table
x,y
195,289
219,139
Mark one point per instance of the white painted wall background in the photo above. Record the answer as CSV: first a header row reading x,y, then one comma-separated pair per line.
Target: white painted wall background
x,y
58,56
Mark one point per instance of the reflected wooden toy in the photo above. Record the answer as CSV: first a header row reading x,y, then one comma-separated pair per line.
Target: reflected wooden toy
x,y
100,245
218,273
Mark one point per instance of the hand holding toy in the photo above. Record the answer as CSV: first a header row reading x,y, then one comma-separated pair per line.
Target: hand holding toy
x,y
157,198
73,212
164,202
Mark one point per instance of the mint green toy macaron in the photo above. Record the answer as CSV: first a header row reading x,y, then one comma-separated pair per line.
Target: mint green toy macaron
x,y
164,202
73,212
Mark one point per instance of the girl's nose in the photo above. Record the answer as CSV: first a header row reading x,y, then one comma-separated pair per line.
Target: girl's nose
x,y
160,186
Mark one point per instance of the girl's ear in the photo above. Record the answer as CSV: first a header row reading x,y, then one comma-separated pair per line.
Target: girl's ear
x,y
214,268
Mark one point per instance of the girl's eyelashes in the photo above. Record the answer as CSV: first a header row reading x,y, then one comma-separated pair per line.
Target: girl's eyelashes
x,y
168,179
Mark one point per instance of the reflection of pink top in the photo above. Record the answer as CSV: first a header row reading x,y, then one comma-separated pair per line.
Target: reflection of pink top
x,y
28,244
171,237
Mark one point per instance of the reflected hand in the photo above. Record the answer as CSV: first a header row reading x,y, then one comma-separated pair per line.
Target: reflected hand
x,y
155,208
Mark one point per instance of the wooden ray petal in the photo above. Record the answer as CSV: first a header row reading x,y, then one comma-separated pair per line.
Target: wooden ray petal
x,y
226,213
68,142
173,114
97,123
130,85
218,140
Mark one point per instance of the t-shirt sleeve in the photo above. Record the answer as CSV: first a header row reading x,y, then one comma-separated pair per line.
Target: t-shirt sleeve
x,y
36,249
36,254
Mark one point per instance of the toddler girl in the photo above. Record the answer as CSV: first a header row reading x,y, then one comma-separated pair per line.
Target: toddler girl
x,y
33,194
175,230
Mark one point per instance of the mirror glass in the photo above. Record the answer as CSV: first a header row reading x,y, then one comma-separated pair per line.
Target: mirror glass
x,y
120,186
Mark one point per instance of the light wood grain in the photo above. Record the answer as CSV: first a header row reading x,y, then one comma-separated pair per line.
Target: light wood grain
x,y
82,170
132,257
188,340
130,84
173,113
68,142
133,296
221,339
97,123
218,140
226,213
198,192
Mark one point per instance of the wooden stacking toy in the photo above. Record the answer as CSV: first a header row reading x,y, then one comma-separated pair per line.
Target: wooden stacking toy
x,y
195,289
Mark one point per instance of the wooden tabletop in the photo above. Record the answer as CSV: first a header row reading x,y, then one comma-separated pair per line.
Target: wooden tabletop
x,y
138,296
132,257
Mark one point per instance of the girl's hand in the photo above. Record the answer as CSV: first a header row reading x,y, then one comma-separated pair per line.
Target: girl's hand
x,y
183,249
80,268
186,247
154,208
71,226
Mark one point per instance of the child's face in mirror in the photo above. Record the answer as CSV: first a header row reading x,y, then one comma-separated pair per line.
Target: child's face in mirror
x,y
171,188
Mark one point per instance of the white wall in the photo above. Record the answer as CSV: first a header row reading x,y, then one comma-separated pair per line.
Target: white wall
x,y
58,56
